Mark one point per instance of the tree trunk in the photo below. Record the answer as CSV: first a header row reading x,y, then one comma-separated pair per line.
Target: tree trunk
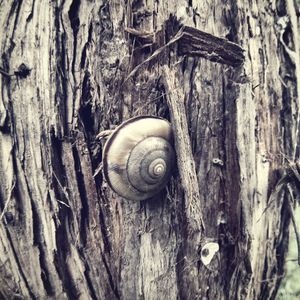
x,y
70,69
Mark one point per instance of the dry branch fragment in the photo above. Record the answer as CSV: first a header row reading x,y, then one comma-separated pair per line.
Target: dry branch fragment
x,y
199,43
185,159
190,41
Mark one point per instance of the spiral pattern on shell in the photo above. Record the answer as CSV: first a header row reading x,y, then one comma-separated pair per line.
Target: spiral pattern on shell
x,y
138,158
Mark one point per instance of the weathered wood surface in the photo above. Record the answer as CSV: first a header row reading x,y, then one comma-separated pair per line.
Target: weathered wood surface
x,y
63,233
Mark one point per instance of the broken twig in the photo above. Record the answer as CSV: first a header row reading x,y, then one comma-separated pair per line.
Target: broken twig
x,y
187,171
190,41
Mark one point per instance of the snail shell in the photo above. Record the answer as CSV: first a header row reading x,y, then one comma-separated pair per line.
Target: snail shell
x,y
138,157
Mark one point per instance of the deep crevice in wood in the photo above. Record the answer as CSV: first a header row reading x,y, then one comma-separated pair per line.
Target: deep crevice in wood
x,y
110,277
84,212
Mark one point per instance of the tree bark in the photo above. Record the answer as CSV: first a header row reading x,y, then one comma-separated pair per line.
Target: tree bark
x,y
70,69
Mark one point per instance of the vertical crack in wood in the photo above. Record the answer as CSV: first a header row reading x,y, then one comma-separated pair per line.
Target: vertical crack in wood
x,y
20,268
75,23
84,211
61,76
295,27
110,277
39,241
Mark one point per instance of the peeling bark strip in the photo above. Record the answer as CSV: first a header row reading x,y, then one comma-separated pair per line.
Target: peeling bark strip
x,y
198,43
187,170
190,41
185,159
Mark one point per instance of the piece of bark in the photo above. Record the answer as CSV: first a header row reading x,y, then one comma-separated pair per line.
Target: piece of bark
x,y
185,159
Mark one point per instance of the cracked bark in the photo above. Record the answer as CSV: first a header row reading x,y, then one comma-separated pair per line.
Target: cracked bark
x,y
70,69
